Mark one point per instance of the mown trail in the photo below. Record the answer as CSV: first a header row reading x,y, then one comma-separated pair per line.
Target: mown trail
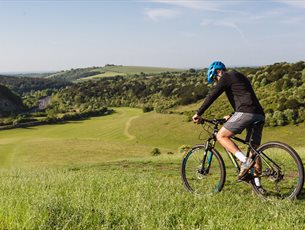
x,y
127,126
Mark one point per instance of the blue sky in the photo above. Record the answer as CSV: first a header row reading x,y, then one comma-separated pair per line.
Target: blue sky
x,y
57,35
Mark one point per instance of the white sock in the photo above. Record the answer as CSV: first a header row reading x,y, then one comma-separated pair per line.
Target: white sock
x,y
257,181
240,156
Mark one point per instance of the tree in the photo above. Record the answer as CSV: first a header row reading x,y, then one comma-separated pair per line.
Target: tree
x,y
290,115
279,118
292,104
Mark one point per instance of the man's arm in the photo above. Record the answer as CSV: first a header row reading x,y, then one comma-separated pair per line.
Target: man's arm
x,y
217,91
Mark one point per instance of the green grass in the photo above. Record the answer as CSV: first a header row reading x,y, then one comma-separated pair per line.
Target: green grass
x,y
138,69
99,174
102,75
111,71
144,195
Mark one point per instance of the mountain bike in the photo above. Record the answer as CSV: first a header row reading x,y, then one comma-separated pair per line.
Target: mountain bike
x,y
203,169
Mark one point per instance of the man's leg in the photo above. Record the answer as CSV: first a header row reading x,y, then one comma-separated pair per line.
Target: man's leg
x,y
258,164
223,136
257,136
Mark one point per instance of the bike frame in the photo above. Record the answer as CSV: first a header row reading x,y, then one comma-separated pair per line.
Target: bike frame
x,y
211,142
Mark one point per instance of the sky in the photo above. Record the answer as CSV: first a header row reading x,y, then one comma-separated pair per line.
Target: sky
x,y
59,35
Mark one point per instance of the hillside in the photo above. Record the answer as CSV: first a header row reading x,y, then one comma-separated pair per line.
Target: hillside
x,y
10,103
280,88
127,134
23,85
108,71
100,173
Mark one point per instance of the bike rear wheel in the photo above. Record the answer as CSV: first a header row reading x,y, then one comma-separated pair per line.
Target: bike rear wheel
x,y
203,175
282,172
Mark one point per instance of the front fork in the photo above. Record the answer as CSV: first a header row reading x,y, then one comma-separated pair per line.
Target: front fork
x,y
207,156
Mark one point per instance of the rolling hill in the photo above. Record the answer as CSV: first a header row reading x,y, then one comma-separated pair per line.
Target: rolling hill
x,y
108,71
99,173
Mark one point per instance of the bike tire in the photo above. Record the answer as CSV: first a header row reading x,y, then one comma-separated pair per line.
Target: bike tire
x,y
292,171
201,184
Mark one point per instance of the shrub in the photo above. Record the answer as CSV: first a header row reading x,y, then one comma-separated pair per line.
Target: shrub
x,y
147,108
290,115
155,152
301,115
279,118
183,148
292,104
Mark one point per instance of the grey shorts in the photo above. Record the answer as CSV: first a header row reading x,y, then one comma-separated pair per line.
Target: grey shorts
x,y
240,121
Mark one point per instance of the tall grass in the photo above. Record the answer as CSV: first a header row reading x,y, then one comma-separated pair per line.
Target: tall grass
x,y
92,175
132,195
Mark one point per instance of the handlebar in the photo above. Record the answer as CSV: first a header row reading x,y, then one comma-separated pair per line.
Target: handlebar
x,y
213,121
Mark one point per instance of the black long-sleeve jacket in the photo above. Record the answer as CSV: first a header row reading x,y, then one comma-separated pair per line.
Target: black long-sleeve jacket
x,y
239,92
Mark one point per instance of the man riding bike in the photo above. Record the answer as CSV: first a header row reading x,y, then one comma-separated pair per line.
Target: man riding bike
x,y
247,110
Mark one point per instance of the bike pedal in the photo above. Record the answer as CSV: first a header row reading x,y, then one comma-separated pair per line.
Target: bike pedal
x,y
246,178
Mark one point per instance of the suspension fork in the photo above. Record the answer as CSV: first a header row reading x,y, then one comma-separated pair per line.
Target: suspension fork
x,y
208,155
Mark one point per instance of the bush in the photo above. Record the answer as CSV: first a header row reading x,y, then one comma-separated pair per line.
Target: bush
x,y
301,115
147,109
279,118
155,152
290,115
183,148
292,104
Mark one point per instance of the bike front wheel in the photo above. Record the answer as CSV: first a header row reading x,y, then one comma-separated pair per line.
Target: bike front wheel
x,y
203,172
281,173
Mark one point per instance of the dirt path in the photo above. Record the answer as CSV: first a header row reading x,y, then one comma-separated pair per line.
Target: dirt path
x,y
127,126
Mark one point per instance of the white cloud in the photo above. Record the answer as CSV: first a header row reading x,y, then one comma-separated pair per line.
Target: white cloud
x,y
158,14
197,5
231,25
298,4
293,20
224,23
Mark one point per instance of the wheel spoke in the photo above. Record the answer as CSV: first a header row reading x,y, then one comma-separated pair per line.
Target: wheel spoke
x,y
281,170
202,178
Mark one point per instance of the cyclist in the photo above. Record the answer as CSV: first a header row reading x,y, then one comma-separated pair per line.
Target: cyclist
x,y
247,110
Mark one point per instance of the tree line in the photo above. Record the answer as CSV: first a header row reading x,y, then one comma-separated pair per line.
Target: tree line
x,y
280,88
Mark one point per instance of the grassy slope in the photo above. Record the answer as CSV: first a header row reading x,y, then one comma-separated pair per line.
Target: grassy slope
x,y
95,140
105,178
101,75
110,71
103,137
137,69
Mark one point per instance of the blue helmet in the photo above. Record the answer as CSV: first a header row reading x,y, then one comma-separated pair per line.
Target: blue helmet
x,y
212,70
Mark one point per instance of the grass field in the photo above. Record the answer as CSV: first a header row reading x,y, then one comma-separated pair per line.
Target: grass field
x,y
137,69
111,71
99,174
